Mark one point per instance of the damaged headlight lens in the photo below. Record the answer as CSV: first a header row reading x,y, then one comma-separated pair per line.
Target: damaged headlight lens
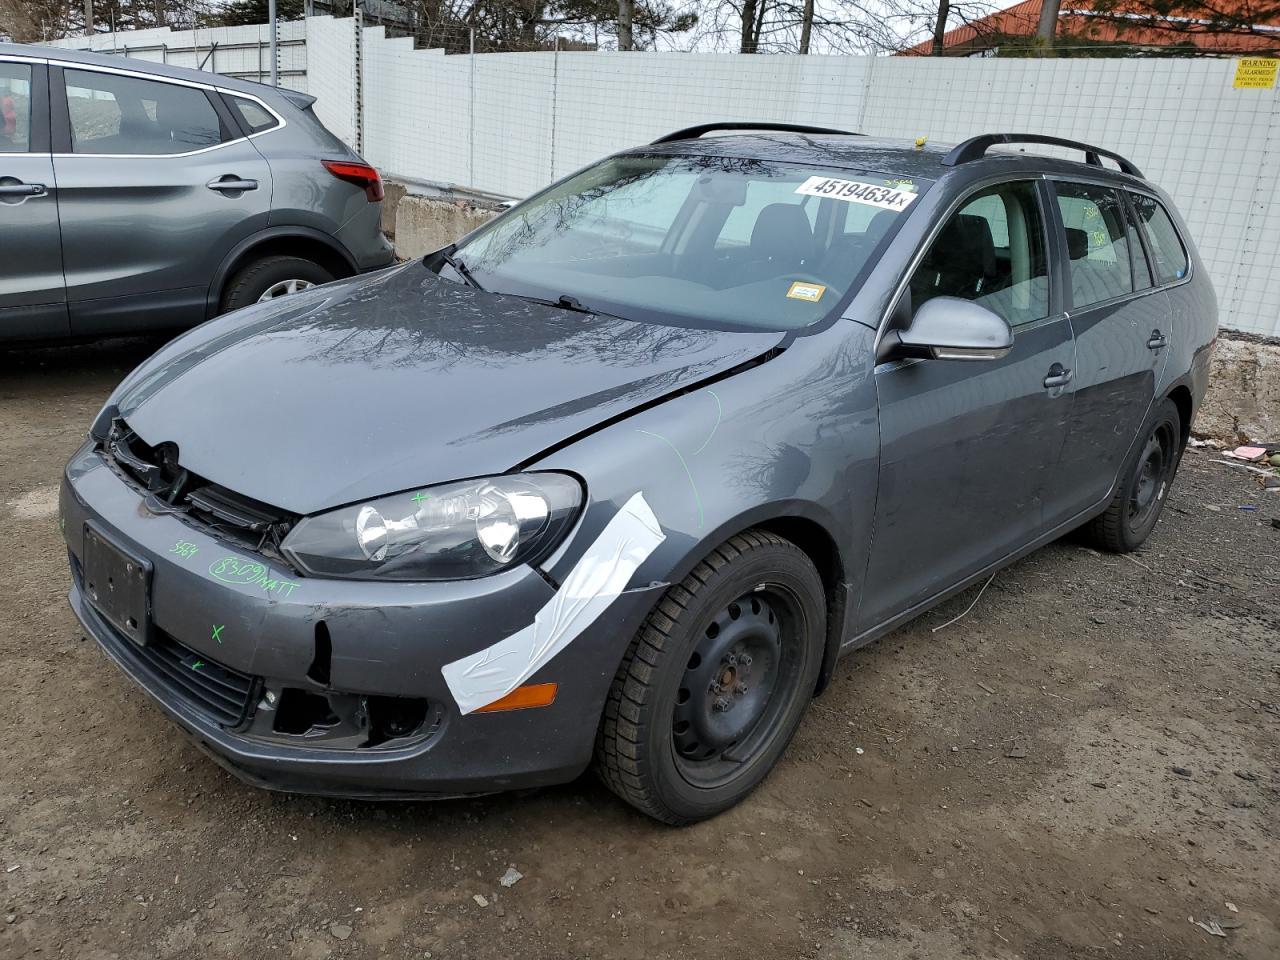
x,y
457,531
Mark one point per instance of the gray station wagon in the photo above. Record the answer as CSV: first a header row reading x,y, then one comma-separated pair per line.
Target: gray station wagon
x,y
619,476
138,197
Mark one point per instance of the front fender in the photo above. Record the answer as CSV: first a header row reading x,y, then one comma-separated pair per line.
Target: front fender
x,y
795,437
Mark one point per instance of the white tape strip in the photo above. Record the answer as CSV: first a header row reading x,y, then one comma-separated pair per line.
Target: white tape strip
x,y
595,581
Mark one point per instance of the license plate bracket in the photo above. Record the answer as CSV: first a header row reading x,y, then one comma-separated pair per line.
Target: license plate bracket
x,y
118,585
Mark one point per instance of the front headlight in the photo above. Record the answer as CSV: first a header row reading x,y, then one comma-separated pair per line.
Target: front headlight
x,y
457,531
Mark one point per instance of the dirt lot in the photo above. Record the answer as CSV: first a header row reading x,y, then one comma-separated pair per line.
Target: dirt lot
x,y
1086,761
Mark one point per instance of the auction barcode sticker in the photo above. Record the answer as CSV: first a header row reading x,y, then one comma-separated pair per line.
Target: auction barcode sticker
x,y
855,191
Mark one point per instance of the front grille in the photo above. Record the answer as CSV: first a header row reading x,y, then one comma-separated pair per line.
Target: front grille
x,y
218,692
212,690
170,487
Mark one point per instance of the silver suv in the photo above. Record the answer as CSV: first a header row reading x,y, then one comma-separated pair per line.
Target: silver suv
x,y
138,197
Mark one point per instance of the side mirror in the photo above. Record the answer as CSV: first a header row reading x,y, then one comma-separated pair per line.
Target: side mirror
x,y
949,328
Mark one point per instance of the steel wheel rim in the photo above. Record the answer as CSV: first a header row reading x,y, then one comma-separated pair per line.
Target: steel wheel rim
x,y
1146,490
283,289
738,683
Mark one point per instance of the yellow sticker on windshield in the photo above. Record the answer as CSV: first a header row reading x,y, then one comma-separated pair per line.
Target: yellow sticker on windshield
x,y
806,291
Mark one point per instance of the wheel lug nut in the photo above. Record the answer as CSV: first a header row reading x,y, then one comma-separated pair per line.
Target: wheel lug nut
x,y
740,689
746,660
722,704
731,659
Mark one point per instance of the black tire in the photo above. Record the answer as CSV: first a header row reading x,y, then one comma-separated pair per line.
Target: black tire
x,y
1144,483
253,280
755,597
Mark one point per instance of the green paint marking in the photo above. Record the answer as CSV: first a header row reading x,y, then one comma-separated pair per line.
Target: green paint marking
x,y
251,573
719,416
184,549
197,665
687,472
217,629
418,498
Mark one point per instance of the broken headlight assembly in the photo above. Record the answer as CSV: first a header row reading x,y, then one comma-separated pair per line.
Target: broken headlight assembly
x,y
457,531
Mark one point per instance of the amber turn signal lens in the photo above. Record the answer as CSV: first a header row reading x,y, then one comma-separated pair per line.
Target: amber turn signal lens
x,y
522,698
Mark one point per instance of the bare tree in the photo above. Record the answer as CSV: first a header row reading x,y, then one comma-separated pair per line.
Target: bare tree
x,y
806,25
940,27
1048,24
626,16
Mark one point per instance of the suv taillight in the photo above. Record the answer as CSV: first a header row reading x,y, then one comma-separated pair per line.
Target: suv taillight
x,y
361,174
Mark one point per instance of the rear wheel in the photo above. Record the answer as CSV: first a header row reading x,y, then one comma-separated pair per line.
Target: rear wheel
x,y
1140,495
713,686
269,278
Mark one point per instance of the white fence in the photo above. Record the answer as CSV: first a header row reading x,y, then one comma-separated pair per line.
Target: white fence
x,y
510,123
242,52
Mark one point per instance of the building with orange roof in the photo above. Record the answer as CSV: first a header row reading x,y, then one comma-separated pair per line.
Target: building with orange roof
x,y
1231,27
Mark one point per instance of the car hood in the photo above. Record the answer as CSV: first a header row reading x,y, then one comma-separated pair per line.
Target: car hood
x,y
398,380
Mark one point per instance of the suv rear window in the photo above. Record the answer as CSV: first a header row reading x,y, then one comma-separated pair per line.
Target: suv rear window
x,y
1162,236
255,117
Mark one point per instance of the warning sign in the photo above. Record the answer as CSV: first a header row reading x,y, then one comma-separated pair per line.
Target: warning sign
x,y
1255,73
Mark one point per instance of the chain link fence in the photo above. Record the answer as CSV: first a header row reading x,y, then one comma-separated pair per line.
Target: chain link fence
x,y
509,123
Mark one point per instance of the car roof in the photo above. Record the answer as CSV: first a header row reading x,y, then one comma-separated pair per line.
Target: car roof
x,y
900,157
116,62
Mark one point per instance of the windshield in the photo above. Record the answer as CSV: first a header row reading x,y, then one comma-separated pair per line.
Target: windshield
x,y
694,241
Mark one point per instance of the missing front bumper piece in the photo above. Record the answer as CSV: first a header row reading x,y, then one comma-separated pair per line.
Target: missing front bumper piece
x,y
343,721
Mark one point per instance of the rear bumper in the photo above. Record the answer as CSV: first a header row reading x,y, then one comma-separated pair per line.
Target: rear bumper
x,y
388,640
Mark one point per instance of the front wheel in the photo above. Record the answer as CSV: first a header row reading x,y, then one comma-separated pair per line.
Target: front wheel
x,y
713,686
1140,495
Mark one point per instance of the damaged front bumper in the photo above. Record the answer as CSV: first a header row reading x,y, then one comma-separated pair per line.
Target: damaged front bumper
x,y
326,686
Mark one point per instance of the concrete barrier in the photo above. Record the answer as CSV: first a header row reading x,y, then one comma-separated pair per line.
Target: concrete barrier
x,y
1243,399
424,224
1242,402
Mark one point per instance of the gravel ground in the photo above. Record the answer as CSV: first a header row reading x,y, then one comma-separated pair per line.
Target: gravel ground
x,y
1076,768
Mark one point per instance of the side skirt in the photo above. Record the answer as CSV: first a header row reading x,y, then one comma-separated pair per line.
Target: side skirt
x,y
878,631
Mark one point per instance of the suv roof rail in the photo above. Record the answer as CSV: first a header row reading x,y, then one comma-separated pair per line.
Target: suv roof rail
x,y
692,133
976,147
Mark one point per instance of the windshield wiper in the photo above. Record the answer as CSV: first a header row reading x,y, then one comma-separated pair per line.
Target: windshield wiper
x,y
460,269
566,302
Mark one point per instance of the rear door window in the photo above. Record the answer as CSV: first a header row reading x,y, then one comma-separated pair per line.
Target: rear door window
x,y
114,114
15,107
1098,243
1162,237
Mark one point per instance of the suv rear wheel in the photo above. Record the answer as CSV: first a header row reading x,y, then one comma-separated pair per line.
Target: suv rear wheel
x,y
269,278
713,686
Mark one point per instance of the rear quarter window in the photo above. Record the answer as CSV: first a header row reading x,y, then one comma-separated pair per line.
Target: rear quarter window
x,y
1167,250
254,116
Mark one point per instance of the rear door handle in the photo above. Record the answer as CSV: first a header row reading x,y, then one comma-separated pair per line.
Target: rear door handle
x,y
1059,376
230,184
22,190
1157,340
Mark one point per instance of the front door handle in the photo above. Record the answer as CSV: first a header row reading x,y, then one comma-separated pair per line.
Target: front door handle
x,y
22,190
1157,340
1059,376
230,184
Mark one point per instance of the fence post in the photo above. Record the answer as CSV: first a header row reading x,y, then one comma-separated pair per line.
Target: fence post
x,y
471,121
359,78
555,88
275,50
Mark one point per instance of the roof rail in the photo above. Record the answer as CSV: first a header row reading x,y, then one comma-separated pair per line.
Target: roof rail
x,y
976,147
692,133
